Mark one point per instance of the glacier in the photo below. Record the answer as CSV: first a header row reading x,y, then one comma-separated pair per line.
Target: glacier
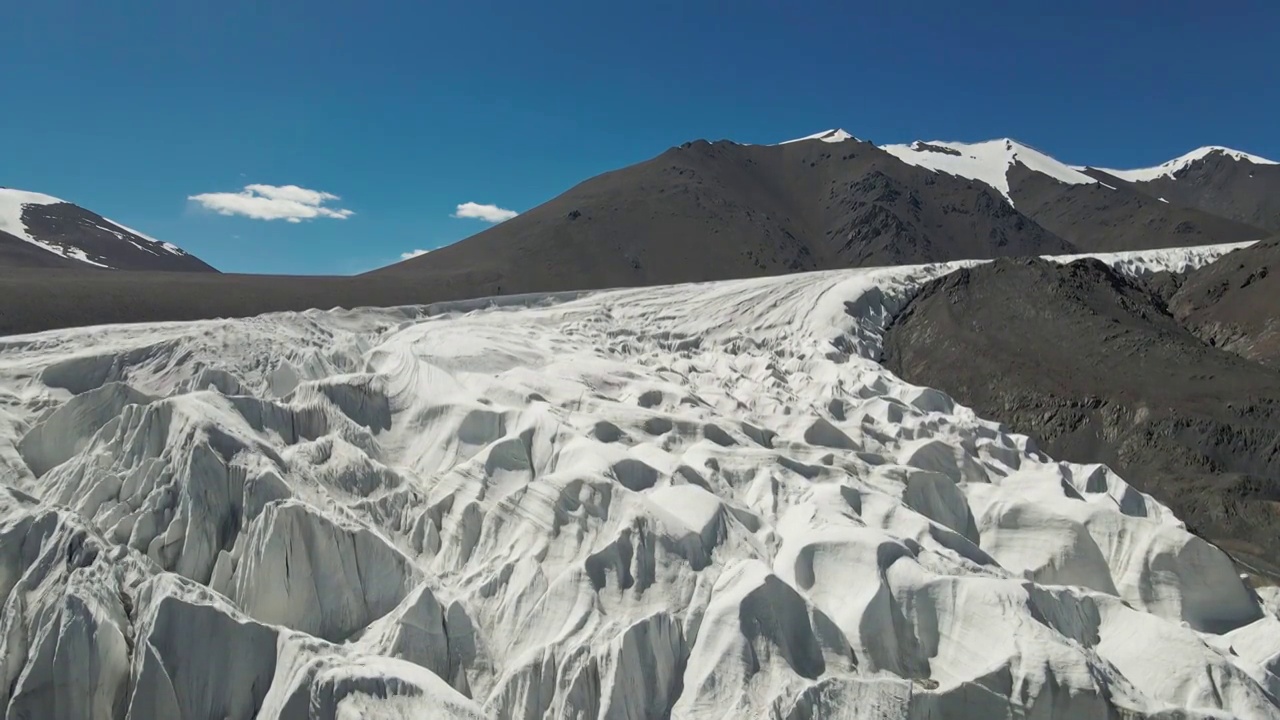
x,y
696,501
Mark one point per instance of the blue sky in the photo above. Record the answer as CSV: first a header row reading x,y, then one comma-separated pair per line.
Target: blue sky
x,y
407,109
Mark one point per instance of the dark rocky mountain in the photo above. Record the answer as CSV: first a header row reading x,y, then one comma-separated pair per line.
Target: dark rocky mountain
x,y
700,211
1221,181
42,231
706,211
1096,215
18,253
1098,369
1115,217
1234,304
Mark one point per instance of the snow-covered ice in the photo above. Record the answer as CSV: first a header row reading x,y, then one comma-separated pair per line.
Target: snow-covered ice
x,y
1173,167
987,162
698,501
1147,263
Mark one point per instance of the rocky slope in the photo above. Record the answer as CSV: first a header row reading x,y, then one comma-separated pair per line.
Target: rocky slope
x,y
700,501
1096,367
41,231
1102,217
1234,303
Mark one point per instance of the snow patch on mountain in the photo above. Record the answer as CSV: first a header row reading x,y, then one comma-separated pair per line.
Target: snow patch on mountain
x,y
987,162
12,203
835,135
691,501
1173,167
161,244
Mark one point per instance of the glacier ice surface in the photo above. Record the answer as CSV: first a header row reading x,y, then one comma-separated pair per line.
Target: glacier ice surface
x,y
692,501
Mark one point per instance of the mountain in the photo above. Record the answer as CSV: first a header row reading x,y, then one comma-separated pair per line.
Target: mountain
x,y
1092,214
989,162
834,135
1096,367
695,501
1219,180
700,211
38,230
1234,304
706,211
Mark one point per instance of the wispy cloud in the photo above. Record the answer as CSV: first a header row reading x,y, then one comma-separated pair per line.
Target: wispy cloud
x,y
273,202
413,254
487,213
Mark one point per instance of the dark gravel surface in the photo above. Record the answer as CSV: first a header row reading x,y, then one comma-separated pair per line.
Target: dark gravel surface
x,y
34,299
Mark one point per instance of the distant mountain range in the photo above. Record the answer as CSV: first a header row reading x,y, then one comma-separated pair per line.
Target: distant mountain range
x,y
38,230
718,210
1222,181
1030,487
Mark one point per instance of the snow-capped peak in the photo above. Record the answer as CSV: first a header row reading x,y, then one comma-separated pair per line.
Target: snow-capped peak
x,y
834,135
1178,164
25,197
11,204
987,162
14,203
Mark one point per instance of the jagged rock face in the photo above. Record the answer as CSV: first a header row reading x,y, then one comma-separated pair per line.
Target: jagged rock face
x,y
696,501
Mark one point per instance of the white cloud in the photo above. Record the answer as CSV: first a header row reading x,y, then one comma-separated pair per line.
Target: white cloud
x,y
413,254
273,202
487,213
